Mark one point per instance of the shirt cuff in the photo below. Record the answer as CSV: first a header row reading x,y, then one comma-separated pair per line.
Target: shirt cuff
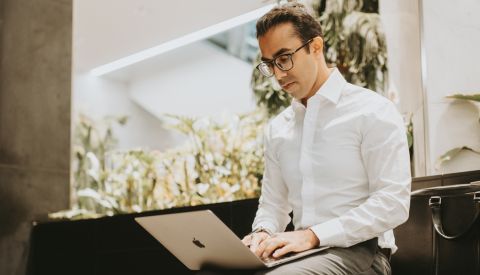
x,y
330,233
269,227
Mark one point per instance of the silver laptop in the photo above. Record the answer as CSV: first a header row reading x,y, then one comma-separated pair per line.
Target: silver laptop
x,y
199,239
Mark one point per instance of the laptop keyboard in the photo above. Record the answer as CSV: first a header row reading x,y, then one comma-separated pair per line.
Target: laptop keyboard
x,y
271,259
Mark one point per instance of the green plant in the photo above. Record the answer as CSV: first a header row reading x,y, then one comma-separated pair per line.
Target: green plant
x,y
91,141
222,161
409,132
452,153
227,156
355,42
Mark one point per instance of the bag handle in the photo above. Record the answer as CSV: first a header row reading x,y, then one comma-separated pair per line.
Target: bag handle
x,y
435,203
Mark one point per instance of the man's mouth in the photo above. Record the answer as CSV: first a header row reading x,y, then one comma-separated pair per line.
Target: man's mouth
x,y
287,85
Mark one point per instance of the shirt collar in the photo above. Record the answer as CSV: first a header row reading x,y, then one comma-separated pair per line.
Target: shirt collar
x,y
330,90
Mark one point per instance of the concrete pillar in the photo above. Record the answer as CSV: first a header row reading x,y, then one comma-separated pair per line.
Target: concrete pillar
x,y
35,100
400,19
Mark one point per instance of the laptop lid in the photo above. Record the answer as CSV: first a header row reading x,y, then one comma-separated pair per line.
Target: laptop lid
x,y
199,239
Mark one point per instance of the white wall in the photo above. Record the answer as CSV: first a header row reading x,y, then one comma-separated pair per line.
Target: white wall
x,y
451,39
452,43
195,80
97,98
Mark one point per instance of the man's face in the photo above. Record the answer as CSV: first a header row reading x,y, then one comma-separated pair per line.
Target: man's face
x,y
299,80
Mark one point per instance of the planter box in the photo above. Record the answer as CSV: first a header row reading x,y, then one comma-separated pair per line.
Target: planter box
x,y
118,245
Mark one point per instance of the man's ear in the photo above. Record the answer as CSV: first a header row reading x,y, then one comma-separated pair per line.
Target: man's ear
x,y
316,46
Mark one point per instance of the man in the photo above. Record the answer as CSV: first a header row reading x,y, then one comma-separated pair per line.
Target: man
x,y
337,157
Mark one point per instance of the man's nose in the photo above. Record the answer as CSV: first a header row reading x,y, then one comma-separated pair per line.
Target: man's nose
x,y
279,74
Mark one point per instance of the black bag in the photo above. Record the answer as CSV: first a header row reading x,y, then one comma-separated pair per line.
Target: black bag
x,y
442,234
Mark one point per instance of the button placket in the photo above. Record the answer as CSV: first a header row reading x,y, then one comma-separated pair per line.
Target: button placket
x,y
308,184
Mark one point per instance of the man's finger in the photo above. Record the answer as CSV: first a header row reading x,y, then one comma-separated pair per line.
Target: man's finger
x,y
256,241
282,251
272,245
247,240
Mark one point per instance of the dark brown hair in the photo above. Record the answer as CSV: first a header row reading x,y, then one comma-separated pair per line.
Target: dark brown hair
x,y
305,26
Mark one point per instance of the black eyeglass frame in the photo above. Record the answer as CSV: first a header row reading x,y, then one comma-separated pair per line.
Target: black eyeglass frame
x,y
274,60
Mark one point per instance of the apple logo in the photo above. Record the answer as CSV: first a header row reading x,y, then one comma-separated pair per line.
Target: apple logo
x,y
198,243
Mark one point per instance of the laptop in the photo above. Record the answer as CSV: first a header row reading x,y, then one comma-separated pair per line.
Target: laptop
x,y
200,239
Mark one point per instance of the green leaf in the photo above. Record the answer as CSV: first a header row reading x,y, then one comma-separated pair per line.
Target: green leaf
x,y
472,97
74,214
95,196
122,120
451,154
409,139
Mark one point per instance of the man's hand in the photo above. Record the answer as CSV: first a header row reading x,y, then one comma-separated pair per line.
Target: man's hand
x,y
283,243
253,240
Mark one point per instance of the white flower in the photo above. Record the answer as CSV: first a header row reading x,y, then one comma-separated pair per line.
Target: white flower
x,y
202,188
136,175
201,124
234,188
94,170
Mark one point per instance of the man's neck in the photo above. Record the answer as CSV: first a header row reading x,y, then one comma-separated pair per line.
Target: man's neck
x,y
323,75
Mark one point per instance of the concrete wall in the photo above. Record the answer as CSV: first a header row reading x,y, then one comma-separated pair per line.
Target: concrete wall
x,y
34,120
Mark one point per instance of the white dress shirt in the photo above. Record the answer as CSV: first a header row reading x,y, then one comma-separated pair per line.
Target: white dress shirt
x,y
341,165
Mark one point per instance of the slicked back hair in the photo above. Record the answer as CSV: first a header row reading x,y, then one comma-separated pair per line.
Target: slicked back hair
x,y
305,26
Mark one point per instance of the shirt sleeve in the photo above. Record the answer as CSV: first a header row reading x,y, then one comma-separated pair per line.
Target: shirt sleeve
x,y
273,209
385,155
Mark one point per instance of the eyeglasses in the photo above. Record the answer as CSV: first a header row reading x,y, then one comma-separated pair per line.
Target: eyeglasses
x,y
284,62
